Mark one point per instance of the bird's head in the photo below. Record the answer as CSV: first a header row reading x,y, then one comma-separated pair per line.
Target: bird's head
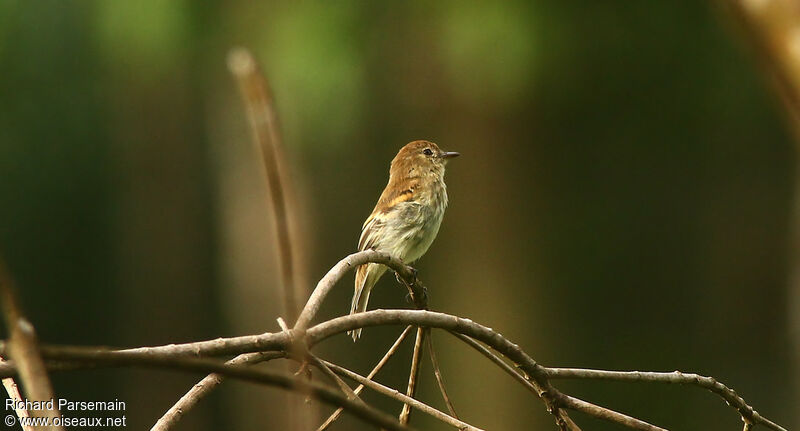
x,y
420,158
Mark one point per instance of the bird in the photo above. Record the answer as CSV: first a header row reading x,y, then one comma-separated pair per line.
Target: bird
x,y
406,218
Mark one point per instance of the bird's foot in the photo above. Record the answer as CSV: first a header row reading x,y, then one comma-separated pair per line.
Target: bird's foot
x,y
424,298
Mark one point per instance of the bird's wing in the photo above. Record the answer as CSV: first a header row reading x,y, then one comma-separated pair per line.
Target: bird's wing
x,y
369,232
391,198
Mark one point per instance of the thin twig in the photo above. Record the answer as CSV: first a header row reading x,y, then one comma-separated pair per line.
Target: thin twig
x,y
323,366
263,117
335,415
324,393
206,385
773,31
438,373
24,350
341,325
19,407
676,377
397,395
604,413
405,413
568,422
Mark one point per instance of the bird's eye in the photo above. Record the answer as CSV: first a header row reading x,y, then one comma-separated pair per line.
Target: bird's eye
x,y
427,152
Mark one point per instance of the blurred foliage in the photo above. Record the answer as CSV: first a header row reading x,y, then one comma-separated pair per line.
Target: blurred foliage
x,y
623,199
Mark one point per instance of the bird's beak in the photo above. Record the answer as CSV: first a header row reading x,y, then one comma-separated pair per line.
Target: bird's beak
x,y
449,154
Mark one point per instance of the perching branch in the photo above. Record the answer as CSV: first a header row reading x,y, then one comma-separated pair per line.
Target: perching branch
x,y
532,375
326,284
423,318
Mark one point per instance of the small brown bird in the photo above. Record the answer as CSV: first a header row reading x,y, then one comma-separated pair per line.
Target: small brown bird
x,y
406,219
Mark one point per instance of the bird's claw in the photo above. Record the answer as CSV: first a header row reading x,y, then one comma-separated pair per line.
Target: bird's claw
x,y
424,296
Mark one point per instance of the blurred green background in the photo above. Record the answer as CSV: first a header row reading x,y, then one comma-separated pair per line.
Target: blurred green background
x,y
623,200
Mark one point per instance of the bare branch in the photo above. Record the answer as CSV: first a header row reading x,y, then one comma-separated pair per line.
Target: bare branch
x,y
395,394
568,423
405,413
604,413
24,349
335,415
323,366
263,117
439,378
321,392
326,284
535,373
258,100
676,377
13,394
206,385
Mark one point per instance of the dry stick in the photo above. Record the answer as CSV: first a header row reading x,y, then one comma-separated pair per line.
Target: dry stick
x,y
267,140
323,366
322,331
335,415
201,388
439,379
606,414
266,137
405,413
13,394
772,30
263,117
246,343
24,350
569,423
325,393
326,284
552,397
394,393
675,377
420,300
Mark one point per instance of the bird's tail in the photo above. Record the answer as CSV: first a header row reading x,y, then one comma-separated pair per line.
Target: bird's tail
x,y
366,277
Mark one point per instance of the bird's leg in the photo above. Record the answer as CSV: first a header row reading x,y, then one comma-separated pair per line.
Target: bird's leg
x,y
403,283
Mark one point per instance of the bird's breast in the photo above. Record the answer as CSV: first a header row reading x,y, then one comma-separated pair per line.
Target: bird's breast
x,y
416,222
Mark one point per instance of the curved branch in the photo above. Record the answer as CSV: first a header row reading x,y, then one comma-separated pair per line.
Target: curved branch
x,y
536,374
260,108
497,360
204,386
321,392
676,377
325,285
